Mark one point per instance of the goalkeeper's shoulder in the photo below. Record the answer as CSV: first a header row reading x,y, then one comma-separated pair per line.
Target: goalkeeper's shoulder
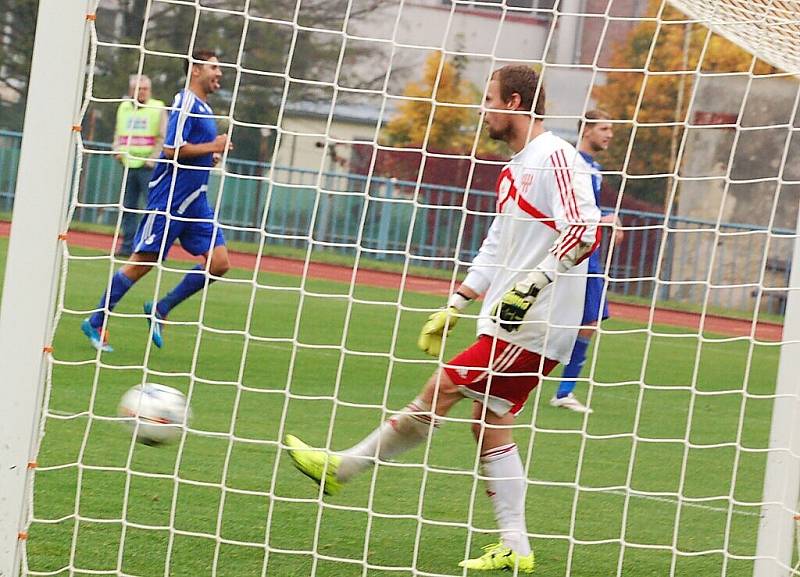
x,y
558,152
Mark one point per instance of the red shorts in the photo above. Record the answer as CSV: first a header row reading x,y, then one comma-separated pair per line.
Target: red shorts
x,y
509,371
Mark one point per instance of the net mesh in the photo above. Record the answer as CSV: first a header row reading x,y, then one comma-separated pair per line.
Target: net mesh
x,y
356,195
766,29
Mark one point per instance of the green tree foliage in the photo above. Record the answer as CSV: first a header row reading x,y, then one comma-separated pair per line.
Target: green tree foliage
x,y
670,59
254,94
16,46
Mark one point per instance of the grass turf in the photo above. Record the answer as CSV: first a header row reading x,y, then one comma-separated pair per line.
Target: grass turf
x,y
673,419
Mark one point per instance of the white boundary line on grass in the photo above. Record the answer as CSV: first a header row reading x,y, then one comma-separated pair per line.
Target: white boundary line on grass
x,y
675,501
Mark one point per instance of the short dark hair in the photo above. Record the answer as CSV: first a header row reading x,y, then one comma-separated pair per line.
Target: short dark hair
x,y
522,80
198,56
591,117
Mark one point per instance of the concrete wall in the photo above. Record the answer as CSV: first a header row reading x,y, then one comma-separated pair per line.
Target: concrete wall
x,y
738,176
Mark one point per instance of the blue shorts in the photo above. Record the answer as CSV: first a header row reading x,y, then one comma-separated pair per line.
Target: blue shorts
x,y
194,228
595,303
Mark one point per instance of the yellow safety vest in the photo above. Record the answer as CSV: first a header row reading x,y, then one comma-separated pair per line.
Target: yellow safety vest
x,y
138,129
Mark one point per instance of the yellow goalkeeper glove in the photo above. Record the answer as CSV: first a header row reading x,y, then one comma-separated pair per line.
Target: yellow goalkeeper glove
x,y
433,331
511,309
439,324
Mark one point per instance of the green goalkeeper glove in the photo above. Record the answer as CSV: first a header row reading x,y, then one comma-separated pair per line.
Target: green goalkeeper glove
x,y
511,309
439,324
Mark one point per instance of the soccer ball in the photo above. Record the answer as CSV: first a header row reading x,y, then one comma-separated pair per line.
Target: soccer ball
x,y
158,412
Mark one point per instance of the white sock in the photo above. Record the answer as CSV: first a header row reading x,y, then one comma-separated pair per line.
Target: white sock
x,y
397,435
505,487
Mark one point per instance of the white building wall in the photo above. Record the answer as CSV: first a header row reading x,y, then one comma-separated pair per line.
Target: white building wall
x,y
303,143
402,35
484,39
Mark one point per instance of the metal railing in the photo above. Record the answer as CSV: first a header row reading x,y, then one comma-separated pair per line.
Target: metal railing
x,y
724,264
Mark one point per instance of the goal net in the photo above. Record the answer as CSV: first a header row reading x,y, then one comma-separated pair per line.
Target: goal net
x,y
359,189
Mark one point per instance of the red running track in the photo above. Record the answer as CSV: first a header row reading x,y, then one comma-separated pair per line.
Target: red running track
x,y
722,325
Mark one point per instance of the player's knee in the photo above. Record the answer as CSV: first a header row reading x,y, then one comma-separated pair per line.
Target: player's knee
x,y
446,388
441,393
220,268
135,271
476,430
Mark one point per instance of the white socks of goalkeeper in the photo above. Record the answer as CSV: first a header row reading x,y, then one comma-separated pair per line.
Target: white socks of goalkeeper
x,y
397,435
505,486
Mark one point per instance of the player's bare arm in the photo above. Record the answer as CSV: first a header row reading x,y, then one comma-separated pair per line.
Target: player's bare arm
x,y
217,146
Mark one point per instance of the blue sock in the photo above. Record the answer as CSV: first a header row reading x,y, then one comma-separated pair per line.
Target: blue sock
x,y
573,370
119,286
193,281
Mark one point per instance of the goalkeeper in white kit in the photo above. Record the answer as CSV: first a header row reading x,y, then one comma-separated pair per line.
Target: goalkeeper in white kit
x,y
531,270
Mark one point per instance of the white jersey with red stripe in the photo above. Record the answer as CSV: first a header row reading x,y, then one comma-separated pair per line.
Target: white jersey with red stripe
x,y
539,196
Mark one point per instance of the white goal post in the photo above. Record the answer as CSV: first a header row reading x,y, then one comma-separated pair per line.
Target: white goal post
x,y
771,31
776,535
49,174
53,106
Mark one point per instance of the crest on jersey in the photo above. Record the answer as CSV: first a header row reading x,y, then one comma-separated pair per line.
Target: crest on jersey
x,y
505,188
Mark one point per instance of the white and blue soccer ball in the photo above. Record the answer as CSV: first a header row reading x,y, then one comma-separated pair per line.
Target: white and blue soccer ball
x,y
156,413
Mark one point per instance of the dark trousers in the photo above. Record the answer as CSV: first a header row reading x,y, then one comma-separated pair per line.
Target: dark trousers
x,y
135,189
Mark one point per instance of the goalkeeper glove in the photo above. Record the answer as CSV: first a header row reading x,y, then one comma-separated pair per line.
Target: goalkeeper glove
x,y
511,309
439,324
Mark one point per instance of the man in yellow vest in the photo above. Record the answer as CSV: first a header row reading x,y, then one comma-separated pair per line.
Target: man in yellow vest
x,y
138,137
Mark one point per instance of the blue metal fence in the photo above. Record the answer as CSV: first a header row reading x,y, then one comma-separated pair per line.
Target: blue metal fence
x,y
9,161
393,220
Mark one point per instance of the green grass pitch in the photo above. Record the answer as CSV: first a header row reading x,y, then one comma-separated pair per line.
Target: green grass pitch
x,y
225,501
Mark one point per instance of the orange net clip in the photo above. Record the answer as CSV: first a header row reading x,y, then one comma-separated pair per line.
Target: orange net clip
x,y
48,349
62,236
91,17
33,465
22,535
76,128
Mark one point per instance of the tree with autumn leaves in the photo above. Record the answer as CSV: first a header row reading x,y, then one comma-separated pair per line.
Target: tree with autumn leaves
x,y
650,88
670,51
452,101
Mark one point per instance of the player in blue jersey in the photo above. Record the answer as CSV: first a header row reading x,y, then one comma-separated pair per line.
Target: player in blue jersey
x,y
177,205
595,136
